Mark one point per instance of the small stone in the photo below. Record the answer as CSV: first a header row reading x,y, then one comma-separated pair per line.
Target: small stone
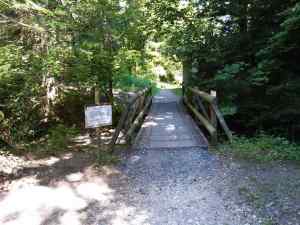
x,y
74,177
134,159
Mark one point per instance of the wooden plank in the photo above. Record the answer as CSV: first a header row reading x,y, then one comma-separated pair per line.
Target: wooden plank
x,y
134,107
124,117
132,114
205,96
212,131
213,101
118,129
201,106
98,131
138,120
213,116
222,121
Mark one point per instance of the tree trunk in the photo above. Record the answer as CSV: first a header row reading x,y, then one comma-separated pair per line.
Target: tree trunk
x,y
97,95
243,17
187,72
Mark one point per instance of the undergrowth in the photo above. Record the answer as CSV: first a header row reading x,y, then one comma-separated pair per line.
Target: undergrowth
x,y
262,147
60,136
57,141
128,82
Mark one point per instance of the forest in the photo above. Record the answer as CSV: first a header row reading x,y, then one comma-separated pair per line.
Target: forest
x,y
56,55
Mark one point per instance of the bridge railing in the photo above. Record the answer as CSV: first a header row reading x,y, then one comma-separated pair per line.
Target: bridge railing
x,y
132,116
205,108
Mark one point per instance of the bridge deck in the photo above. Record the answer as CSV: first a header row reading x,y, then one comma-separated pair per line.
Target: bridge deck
x,y
168,125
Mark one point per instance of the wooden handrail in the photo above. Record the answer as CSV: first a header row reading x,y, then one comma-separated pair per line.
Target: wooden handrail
x,y
131,116
212,131
209,120
205,96
138,121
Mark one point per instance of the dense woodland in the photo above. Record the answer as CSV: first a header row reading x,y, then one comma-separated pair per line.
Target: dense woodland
x,y
54,56
247,50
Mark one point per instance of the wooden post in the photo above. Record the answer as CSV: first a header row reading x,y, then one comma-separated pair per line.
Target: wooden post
x,y
97,102
97,96
201,106
212,131
215,114
126,116
213,118
137,122
222,121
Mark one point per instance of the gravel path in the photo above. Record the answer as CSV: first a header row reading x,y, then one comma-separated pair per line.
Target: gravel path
x,y
156,185
172,175
179,187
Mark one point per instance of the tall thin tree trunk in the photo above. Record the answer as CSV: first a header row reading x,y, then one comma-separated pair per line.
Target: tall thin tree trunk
x,y
97,95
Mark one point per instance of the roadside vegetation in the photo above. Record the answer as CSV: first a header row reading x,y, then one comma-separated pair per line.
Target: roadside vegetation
x,y
55,56
261,147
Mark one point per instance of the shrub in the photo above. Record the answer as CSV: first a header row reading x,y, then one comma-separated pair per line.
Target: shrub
x,y
130,82
263,147
59,138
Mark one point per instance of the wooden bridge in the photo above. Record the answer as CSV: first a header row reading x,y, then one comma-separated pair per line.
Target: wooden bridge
x,y
168,123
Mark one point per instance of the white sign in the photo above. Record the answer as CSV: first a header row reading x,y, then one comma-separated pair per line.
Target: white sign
x,y
98,116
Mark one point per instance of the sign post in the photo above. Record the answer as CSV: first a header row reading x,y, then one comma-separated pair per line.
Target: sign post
x,y
98,116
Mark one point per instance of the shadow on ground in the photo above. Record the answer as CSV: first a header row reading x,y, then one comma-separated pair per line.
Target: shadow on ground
x,y
153,186
190,186
67,190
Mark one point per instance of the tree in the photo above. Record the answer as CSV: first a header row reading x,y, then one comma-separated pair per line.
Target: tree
x,y
46,46
244,49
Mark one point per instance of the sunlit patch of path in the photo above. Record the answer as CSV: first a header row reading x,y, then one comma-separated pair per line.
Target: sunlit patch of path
x,y
72,195
169,126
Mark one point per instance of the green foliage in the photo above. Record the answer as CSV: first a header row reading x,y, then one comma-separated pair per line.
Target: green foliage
x,y
48,47
228,110
130,82
59,138
231,72
69,108
263,147
246,50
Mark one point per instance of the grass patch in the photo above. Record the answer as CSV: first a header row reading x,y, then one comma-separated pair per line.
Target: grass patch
x,y
262,147
164,85
176,88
